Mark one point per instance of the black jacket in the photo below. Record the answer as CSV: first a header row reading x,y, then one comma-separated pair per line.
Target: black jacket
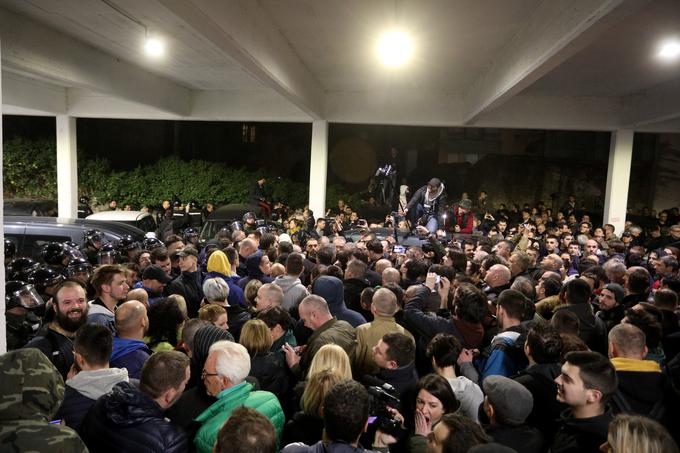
x,y
353,288
128,420
524,438
271,373
56,347
539,379
188,285
583,435
592,330
302,428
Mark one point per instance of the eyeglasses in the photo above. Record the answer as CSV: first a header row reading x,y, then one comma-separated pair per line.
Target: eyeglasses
x,y
205,374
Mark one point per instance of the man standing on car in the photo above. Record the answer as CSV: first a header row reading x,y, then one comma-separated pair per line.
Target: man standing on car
x,y
426,205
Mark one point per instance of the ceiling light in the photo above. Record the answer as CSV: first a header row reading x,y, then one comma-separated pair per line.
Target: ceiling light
x,y
670,50
154,47
395,48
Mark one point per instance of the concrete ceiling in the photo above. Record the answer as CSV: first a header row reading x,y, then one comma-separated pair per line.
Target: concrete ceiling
x,y
570,64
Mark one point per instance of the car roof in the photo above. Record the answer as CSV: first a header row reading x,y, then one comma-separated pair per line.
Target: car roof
x,y
235,211
118,216
116,228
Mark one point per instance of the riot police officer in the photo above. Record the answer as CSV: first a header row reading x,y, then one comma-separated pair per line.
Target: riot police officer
x,y
21,299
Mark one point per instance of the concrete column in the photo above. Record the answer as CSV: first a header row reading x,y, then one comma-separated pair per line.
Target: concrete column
x,y
618,178
67,167
3,326
318,168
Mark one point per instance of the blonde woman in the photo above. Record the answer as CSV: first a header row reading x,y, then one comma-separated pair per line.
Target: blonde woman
x,y
269,368
307,425
214,314
637,434
331,357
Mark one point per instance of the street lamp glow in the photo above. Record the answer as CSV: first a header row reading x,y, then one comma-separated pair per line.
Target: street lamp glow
x,y
154,47
395,48
670,50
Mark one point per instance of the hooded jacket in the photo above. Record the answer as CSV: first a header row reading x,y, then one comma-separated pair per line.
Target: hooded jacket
x,y
293,290
219,266
189,286
421,197
32,391
131,421
129,354
254,271
99,314
331,289
592,330
641,385
84,389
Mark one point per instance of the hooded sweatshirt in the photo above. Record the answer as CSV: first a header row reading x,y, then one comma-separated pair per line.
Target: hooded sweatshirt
x,y
293,290
84,389
32,391
254,271
129,354
332,290
219,267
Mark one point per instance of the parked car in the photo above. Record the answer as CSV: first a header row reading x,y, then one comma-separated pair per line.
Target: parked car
x,y
142,220
30,207
30,233
226,216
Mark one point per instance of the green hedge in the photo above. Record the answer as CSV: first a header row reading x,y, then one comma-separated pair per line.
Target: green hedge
x,y
30,172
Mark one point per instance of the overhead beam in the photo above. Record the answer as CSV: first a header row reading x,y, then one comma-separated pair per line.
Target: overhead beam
x,y
243,30
554,32
656,105
25,96
32,49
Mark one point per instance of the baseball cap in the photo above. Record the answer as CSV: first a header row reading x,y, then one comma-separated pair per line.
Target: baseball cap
x,y
155,273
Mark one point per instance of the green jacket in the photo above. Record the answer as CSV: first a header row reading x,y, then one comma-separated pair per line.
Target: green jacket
x,y
228,400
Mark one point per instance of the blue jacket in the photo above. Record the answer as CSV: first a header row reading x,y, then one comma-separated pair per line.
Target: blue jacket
x,y
332,290
236,296
129,354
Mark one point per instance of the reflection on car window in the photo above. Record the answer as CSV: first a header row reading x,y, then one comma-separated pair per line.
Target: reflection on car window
x,y
34,244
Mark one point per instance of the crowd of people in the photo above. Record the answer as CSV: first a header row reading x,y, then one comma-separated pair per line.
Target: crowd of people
x,y
501,330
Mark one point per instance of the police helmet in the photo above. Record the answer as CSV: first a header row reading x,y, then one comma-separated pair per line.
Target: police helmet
x,y
21,294
53,253
78,265
44,277
190,233
21,268
108,254
10,249
152,244
127,242
91,236
249,217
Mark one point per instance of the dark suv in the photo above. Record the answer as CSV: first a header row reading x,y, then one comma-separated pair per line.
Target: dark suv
x,y
31,233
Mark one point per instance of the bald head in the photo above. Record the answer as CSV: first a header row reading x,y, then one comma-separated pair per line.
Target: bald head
x,y
384,303
139,294
381,265
247,247
552,263
131,319
627,340
391,275
498,275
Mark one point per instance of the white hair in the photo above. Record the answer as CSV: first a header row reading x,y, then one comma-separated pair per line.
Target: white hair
x,y
215,289
233,360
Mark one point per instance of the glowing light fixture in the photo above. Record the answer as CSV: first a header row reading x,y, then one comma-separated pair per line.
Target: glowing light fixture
x,y
670,50
395,48
154,47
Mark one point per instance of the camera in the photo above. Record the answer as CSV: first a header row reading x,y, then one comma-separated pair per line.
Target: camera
x,y
380,398
399,249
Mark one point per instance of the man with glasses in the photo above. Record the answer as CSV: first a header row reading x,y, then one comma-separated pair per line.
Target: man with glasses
x,y
224,375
